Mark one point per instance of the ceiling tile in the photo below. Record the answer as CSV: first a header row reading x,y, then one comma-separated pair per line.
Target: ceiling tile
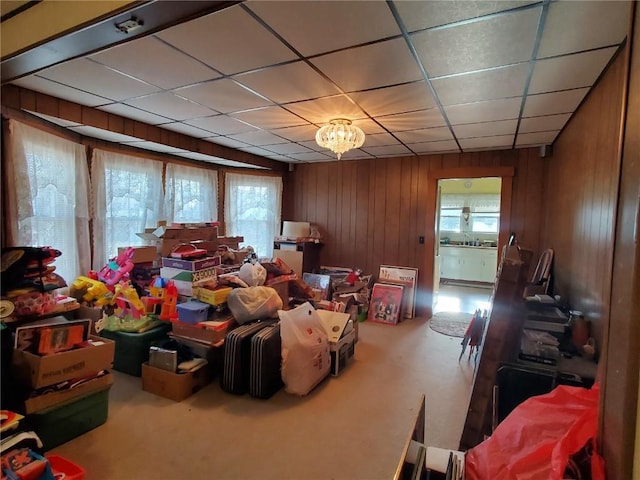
x,y
282,158
147,59
288,148
220,124
323,110
356,154
379,140
311,157
484,111
97,79
56,120
425,135
571,71
312,145
157,147
198,156
228,40
314,27
388,150
256,150
486,129
171,106
398,99
420,15
601,23
223,96
297,134
134,113
537,138
186,130
433,147
493,42
103,134
486,85
544,123
370,66
258,137
486,142
413,120
550,103
368,126
42,85
270,117
288,83
227,142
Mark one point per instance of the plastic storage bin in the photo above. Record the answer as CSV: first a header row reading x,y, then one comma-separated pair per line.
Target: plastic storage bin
x,y
65,422
132,349
193,312
63,468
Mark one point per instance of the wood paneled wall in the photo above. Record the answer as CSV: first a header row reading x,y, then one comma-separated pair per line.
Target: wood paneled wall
x,y
592,216
582,189
372,212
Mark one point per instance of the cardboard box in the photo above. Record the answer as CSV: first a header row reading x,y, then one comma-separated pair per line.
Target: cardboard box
x,y
174,386
210,333
37,372
142,254
191,265
213,297
342,353
41,402
187,276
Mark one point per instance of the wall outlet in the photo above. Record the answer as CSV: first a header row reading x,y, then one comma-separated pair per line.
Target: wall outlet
x,y
421,239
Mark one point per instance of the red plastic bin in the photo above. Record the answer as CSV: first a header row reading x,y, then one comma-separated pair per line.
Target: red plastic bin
x,y
60,465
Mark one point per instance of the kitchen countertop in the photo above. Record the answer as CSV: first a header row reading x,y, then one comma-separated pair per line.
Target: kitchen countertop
x,y
481,247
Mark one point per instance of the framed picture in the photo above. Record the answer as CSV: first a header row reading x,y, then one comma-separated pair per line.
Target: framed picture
x,y
386,302
321,285
408,278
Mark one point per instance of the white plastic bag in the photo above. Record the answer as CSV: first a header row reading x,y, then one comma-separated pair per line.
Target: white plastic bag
x,y
306,360
253,274
253,303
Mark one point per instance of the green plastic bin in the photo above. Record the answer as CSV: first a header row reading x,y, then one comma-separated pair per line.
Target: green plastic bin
x,y
132,349
59,424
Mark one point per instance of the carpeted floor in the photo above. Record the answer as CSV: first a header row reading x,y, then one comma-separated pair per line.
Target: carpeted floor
x,y
453,324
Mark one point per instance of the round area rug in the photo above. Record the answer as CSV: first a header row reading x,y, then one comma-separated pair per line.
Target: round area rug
x,y
453,324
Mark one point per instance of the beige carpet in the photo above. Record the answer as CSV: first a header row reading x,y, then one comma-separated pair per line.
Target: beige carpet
x,y
350,427
453,324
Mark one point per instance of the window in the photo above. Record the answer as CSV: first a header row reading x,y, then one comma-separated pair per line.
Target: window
x,y
127,196
191,194
252,210
450,219
47,187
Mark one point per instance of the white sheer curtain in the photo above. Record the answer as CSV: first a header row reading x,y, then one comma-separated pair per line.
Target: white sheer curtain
x,y
191,194
47,194
253,209
127,198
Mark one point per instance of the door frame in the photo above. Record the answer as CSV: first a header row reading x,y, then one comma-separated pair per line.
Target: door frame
x,y
505,173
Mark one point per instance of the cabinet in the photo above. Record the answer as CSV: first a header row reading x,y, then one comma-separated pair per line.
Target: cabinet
x,y
475,264
300,256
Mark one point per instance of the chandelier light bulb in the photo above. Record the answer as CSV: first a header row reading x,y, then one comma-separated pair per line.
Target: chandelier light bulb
x,y
340,136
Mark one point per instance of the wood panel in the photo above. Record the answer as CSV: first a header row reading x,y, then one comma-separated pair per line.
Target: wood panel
x,y
582,187
391,207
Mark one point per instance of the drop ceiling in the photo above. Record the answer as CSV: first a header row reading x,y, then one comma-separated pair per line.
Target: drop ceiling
x,y
419,77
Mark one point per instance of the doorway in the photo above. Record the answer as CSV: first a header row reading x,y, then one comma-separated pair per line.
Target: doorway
x,y
466,244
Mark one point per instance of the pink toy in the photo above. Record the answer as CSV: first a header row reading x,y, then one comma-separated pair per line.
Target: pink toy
x,y
118,268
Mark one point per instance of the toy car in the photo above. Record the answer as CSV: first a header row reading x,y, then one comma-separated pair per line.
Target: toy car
x,y
186,250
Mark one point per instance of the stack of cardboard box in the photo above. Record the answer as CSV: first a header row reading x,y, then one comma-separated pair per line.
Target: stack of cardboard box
x,y
71,384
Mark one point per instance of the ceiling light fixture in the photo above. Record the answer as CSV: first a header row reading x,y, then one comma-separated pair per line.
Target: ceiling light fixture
x,y
340,136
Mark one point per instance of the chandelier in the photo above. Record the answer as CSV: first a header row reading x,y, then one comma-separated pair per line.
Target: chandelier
x,y
340,136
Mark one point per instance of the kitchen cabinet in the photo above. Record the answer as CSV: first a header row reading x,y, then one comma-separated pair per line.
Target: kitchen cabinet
x,y
474,264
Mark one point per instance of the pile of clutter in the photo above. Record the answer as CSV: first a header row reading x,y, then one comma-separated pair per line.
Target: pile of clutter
x,y
29,283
